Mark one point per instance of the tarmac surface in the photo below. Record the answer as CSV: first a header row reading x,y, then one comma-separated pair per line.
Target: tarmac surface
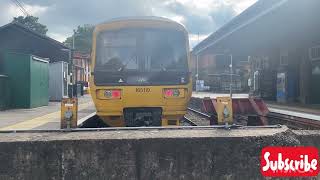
x,y
43,118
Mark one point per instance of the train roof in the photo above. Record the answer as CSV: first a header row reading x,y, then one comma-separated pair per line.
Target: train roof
x,y
137,18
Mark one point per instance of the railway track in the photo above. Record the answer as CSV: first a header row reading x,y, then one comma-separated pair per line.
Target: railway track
x,y
200,113
293,122
188,122
197,118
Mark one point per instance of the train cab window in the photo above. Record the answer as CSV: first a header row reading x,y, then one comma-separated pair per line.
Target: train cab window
x,y
165,51
147,50
114,50
139,56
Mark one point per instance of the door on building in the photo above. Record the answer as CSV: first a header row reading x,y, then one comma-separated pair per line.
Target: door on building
x,y
315,83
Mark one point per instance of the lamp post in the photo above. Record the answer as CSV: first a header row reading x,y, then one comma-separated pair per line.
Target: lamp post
x,y
231,74
226,52
74,34
197,75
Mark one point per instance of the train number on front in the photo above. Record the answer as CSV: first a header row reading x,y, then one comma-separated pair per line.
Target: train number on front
x,y
143,90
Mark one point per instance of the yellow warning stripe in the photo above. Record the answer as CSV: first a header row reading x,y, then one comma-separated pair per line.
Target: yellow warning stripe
x,y
39,121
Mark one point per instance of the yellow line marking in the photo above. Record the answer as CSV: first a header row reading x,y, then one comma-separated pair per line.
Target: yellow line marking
x,y
39,121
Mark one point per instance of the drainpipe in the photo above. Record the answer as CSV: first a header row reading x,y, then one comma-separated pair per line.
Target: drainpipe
x,y
197,75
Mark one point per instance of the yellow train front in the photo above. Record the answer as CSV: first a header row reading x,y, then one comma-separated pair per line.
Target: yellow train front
x,y
141,72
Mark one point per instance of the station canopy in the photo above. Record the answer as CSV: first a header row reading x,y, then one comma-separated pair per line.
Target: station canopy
x,y
267,24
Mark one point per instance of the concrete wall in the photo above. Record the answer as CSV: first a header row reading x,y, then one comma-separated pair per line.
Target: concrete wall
x,y
150,154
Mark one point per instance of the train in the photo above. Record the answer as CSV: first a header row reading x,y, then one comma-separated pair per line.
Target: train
x,y
140,72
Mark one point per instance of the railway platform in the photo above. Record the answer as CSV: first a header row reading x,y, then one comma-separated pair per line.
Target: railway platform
x,y
300,108
46,117
214,95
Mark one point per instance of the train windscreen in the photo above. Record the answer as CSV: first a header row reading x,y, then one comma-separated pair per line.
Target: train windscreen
x,y
141,56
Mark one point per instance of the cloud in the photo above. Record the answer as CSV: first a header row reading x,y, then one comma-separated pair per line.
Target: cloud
x,y
224,13
9,10
36,10
64,16
196,38
61,16
239,7
201,16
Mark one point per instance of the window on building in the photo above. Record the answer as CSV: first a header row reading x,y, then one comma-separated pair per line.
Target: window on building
x,y
314,53
284,60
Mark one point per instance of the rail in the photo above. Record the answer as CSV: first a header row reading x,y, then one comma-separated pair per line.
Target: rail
x,y
189,121
294,122
200,113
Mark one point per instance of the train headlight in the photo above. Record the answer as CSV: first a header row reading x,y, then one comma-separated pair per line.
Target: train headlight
x,y
174,93
109,94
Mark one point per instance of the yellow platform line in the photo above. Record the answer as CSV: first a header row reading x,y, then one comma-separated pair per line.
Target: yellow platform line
x,y
39,121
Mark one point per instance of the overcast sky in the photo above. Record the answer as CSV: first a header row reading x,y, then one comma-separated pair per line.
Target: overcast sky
x,y
62,16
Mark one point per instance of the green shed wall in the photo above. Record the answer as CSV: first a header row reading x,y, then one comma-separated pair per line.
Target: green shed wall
x,y
4,92
17,68
39,72
28,80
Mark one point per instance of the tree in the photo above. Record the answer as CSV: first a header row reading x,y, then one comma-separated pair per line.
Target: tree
x,y
32,23
82,38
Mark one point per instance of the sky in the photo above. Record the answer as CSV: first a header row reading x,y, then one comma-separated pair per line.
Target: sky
x,y
200,17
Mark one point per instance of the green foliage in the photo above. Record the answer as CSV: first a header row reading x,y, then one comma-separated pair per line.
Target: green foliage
x,y
32,23
82,38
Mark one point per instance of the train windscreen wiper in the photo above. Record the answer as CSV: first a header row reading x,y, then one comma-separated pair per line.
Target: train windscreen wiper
x,y
125,65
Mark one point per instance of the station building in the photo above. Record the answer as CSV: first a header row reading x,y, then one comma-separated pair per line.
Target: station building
x,y
274,47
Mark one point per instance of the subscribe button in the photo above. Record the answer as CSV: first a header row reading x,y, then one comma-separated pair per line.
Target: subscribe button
x,y
289,161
